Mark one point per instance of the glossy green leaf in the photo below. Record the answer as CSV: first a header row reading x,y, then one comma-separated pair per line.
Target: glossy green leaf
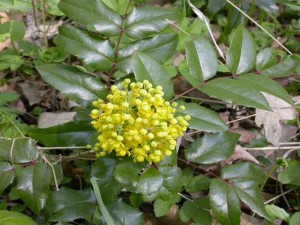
x,y
12,29
127,172
125,214
72,82
198,183
242,52
267,85
14,218
67,205
149,184
245,179
236,91
277,213
7,174
75,133
224,202
171,176
145,21
146,68
89,48
212,148
284,68
160,47
202,60
8,97
34,185
18,150
194,210
265,58
295,219
94,14
291,173
162,207
103,169
203,118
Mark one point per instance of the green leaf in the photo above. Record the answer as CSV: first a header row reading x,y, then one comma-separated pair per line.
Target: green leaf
x,y
16,5
149,184
75,133
12,29
236,91
8,97
72,82
212,148
90,48
160,47
277,213
295,219
67,205
201,59
10,61
7,174
241,54
14,218
245,179
193,210
265,58
267,85
198,183
18,150
143,22
103,169
34,185
146,68
162,207
125,214
224,202
127,172
203,118
291,174
94,14
284,68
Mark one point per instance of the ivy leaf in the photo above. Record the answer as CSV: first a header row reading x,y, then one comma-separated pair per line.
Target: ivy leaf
x,y
75,133
284,68
237,91
19,150
103,169
67,205
225,203
150,183
15,218
125,214
160,47
267,85
143,22
202,60
34,185
72,82
89,48
203,118
7,174
146,68
94,14
241,54
212,148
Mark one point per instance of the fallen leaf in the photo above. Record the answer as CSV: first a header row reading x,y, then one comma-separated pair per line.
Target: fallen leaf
x,y
275,129
47,119
241,154
246,135
31,92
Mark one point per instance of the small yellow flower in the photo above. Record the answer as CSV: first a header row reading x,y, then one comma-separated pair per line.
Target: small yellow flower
x,y
137,122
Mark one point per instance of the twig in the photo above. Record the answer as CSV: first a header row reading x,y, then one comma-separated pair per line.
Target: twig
x,y
62,148
273,148
278,196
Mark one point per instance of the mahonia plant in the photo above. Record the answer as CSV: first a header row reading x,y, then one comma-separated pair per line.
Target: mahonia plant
x,y
136,121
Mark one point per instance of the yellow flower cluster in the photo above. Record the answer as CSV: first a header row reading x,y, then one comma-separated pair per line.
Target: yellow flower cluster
x,y
136,121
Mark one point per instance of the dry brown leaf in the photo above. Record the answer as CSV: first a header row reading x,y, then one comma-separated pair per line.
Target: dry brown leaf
x,y
246,135
273,122
241,154
31,92
47,119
